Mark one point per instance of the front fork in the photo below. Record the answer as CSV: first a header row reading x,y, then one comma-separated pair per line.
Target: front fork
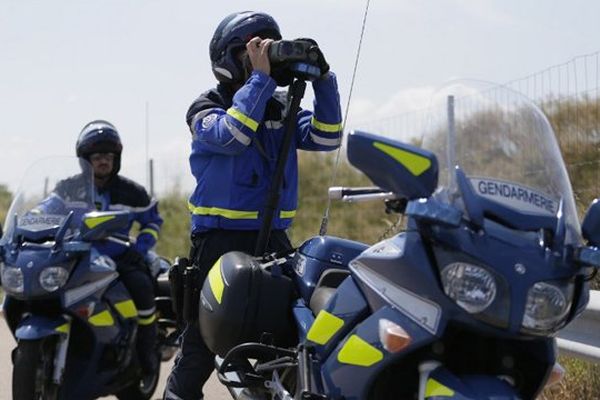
x,y
62,345
425,368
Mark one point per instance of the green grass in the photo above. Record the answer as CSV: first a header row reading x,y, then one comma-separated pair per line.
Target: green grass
x,y
174,236
582,381
577,127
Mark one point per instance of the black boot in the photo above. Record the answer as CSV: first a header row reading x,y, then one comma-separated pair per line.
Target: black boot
x,y
147,350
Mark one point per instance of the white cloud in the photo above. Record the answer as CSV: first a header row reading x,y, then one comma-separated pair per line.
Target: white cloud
x,y
401,116
487,11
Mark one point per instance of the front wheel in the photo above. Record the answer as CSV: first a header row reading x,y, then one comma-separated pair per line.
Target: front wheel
x,y
32,370
141,389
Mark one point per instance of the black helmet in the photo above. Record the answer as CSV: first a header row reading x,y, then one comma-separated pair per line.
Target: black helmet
x,y
100,137
231,35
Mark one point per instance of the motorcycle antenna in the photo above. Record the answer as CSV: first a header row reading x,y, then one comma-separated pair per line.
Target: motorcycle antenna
x,y
325,220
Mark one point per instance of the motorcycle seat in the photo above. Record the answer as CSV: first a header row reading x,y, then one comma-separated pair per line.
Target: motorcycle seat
x,y
326,288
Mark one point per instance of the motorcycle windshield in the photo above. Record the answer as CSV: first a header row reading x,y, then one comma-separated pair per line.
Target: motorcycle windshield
x,y
50,189
506,147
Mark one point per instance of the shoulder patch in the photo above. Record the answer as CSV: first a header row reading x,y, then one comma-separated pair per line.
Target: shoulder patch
x,y
209,120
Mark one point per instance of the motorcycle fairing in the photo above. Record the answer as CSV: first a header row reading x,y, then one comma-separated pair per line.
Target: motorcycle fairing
x,y
388,265
303,317
499,249
345,309
479,206
106,320
90,373
35,327
405,170
318,254
391,262
37,234
443,385
352,377
31,260
87,280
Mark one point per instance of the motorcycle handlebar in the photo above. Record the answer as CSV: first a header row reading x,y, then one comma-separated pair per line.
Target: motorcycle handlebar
x,y
359,194
120,239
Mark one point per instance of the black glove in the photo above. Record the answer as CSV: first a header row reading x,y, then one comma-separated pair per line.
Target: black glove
x,y
320,62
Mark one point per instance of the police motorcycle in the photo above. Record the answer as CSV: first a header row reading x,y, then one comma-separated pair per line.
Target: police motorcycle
x,y
462,304
74,321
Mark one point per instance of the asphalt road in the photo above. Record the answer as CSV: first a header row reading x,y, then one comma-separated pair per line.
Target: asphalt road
x,y
212,391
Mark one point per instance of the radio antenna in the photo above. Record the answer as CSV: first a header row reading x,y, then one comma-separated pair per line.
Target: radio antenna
x,y
325,220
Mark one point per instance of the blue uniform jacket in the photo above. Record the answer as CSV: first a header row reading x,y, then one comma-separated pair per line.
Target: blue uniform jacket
x,y
124,194
235,145
119,194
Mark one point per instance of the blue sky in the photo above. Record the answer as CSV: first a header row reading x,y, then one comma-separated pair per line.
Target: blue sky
x,y
65,62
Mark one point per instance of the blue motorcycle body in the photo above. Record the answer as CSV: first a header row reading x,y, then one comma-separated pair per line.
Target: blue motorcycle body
x,y
73,319
465,301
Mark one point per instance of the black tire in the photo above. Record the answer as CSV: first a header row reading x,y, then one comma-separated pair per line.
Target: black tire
x,y
32,370
135,391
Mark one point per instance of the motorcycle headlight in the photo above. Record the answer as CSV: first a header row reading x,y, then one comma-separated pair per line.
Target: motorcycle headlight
x,y
547,306
470,286
12,279
53,278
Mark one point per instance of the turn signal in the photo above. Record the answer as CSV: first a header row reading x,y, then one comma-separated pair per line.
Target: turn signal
x,y
393,337
85,310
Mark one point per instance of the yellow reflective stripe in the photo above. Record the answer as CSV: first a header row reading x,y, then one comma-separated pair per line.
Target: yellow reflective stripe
x,y
93,222
151,231
325,326
215,279
147,320
324,127
244,119
233,214
436,389
222,212
127,309
64,328
356,351
415,163
103,318
287,214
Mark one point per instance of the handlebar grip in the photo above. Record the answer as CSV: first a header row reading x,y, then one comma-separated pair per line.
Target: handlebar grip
x,y
338,192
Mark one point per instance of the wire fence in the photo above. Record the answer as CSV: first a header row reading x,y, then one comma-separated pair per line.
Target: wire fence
x,y
569,95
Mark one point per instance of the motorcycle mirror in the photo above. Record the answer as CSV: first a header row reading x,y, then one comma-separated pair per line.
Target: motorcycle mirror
x,y
405,170
62,230
590,228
